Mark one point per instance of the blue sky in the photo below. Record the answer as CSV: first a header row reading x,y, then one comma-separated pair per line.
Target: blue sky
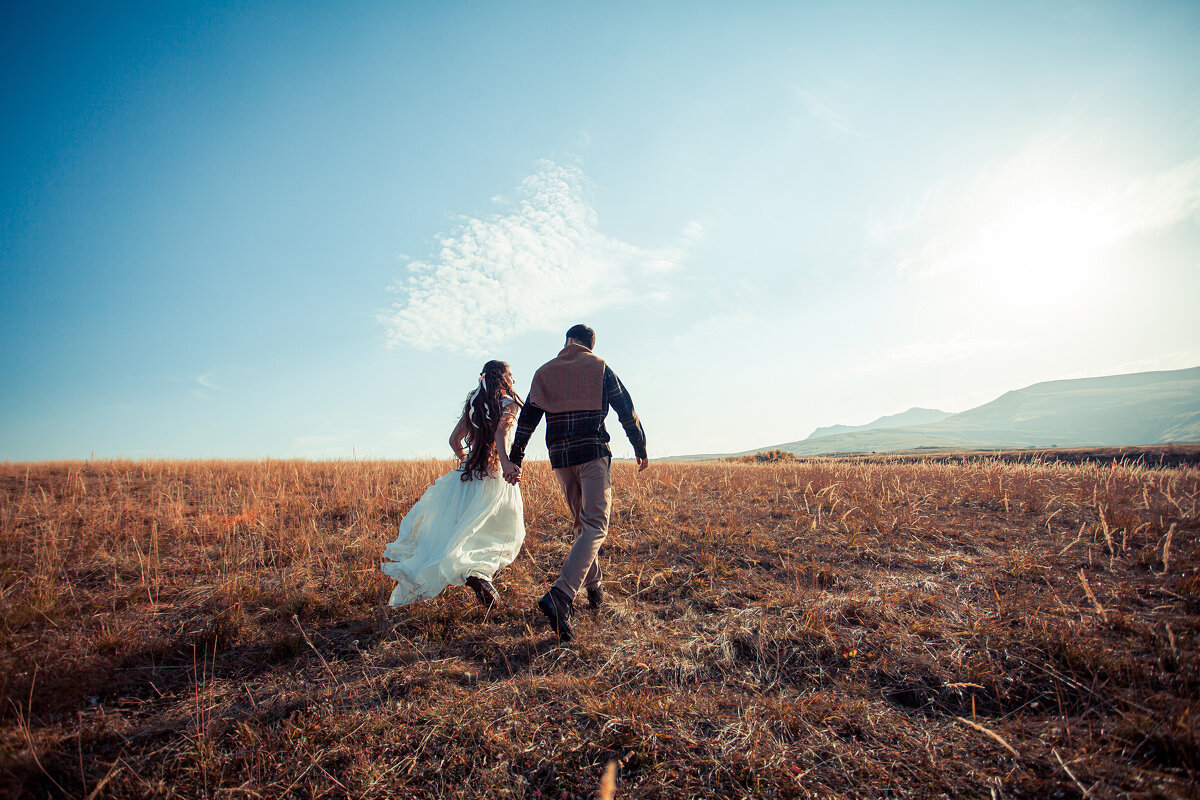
x,y
266,229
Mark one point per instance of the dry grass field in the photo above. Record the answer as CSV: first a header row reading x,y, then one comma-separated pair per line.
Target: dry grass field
x,y
829,628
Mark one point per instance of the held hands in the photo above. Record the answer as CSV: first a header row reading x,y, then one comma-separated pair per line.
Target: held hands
x,y
512,472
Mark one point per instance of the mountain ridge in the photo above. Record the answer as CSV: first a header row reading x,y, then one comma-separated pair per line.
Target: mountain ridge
x,y
1138,408
913,416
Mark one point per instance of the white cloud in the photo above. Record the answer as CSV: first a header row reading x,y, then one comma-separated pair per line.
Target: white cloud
x,y
539,265
695,232
1161,201
1042,219
206,380
836,124
931,352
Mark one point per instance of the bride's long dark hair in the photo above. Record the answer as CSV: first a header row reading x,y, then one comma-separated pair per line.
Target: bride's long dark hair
x,y
482,411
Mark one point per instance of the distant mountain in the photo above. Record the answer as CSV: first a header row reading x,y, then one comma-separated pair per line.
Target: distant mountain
x,y
914,416
1139,408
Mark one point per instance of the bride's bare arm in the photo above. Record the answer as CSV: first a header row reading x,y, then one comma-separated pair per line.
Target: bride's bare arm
x,y
502,429
456,437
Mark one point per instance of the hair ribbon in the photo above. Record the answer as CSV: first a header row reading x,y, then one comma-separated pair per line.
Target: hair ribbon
x,y
487,411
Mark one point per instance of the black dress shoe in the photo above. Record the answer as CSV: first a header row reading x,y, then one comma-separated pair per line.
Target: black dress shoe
x,y
485,593
595,597
557,608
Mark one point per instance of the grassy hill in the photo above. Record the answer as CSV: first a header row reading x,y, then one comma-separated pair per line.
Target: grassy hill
x,y
1139,408
914,416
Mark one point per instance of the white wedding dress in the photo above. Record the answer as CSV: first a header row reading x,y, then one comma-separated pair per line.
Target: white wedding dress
x,y
457,529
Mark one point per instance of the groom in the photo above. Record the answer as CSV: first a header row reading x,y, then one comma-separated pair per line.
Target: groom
x,y
575,391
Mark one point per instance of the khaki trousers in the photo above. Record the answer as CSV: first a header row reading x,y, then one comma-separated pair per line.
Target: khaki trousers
x,y
588,489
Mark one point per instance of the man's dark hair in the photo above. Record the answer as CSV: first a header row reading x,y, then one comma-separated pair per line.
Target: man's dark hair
x,y
582,334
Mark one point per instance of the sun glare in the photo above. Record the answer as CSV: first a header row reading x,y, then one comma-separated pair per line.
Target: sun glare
x,y
1040,240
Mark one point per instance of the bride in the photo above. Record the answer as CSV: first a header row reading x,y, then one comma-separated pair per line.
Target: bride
x,y
470,522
